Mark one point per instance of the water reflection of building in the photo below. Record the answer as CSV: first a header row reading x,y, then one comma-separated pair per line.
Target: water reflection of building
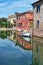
x,y
12,37
37,51
24,42
21,41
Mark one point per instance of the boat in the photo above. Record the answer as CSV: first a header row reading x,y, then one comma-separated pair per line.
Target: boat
x,y
26,34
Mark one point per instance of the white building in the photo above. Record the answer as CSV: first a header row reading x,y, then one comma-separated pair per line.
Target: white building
x,y
12,19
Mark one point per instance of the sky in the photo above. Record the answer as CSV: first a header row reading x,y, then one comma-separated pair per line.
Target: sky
x,y
11,6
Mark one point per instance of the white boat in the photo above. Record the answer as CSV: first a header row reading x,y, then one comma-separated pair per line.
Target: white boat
x,y
26,38
26,34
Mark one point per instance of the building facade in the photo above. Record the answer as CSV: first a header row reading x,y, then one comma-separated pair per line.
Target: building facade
x,y
12,20
23,20
38,18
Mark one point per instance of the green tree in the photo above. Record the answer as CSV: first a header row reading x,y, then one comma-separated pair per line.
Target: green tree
x,y
3,22
31,24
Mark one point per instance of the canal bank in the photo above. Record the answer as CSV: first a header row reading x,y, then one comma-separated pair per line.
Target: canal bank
x,y
38,34
5,29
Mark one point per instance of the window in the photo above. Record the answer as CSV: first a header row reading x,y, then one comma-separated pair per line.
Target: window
x,y
17,24
17,17
38,8
20,24
38,23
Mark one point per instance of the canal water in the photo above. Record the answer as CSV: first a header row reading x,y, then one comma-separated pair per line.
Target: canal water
x,y
15,50
12,53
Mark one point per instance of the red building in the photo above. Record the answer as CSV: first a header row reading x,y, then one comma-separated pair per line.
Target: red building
x,y
24,19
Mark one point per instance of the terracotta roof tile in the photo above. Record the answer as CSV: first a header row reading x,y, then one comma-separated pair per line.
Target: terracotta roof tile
x,y
28,11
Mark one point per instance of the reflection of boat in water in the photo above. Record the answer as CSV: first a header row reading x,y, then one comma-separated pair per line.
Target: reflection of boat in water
x,y
26,38
26,34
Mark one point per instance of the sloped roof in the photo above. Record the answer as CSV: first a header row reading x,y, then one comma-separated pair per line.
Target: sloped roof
x,y
28,11
37,2
11,16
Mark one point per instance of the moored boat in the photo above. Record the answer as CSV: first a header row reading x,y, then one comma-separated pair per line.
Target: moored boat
x,y
26,34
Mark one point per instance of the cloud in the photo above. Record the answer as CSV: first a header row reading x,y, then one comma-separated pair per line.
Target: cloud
x,y
4,1
12,6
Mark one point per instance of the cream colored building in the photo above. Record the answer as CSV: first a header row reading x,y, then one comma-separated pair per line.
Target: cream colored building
x,y
38,18
12,19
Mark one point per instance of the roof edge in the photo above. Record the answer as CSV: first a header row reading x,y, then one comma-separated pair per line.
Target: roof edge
x,y
36,2
28,11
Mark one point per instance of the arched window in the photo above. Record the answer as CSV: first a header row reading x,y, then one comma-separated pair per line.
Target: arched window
x,y
38,23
